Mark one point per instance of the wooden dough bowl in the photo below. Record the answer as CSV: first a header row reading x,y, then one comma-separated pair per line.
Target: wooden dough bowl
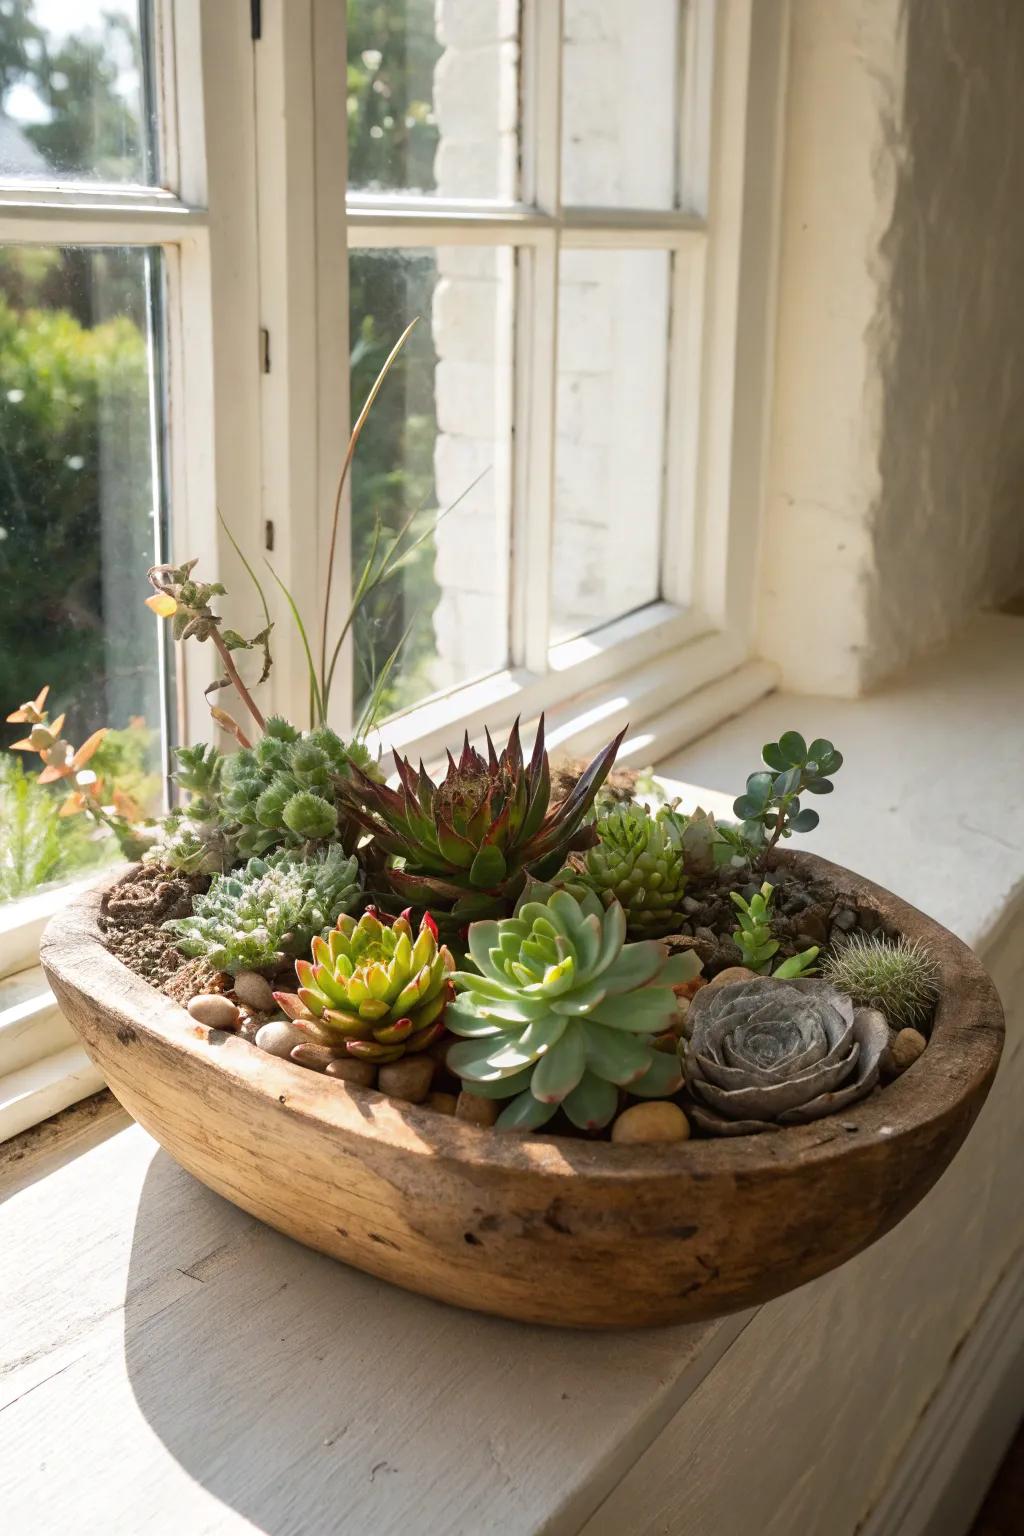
x,y
545,1229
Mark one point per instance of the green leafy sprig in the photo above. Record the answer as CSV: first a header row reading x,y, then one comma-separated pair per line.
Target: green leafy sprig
x,y
770,808
756,943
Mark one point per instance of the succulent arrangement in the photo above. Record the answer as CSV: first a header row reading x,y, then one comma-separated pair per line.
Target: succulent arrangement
x,y
568,947
548,965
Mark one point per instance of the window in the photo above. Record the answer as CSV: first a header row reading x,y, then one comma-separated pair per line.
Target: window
x,y
115,306
81,403
558,192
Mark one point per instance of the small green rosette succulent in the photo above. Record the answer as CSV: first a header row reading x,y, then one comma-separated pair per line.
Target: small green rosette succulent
x,y
256,918
637,864
374,987
564,1011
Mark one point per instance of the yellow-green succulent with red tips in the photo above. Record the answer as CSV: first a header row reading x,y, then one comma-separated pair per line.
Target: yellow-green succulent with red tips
x,y
374,987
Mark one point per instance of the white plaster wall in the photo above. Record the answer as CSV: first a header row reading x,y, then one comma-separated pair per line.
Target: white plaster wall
x,y
949,524
838,194
895,502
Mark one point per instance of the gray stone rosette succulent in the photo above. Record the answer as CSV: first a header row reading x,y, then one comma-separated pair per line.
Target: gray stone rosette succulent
x,y
763,1054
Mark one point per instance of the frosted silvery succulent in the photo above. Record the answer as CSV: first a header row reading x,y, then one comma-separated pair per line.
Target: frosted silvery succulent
x,y
769,1053
255,918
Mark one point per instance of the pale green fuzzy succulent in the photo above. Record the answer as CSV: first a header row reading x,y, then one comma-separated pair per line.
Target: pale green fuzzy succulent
x,y
564,1011
897,976
284,791
637,864
255,919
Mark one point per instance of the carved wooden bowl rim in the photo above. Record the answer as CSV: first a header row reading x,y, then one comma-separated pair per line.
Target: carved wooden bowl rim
x,y
956,1069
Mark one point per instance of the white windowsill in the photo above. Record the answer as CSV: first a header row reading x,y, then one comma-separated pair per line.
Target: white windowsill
x,y
333,1401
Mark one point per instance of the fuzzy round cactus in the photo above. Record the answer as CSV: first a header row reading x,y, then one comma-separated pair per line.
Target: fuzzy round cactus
x,y
562,1011
637,864
769,1053
258,917
374,987
897,976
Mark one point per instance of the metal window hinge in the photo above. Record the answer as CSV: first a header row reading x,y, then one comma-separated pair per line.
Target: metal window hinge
x,y
264,350
268,534
256,19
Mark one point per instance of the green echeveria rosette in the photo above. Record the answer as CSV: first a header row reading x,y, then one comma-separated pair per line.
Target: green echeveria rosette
x,y
636,864
260,916
564,1011
374,987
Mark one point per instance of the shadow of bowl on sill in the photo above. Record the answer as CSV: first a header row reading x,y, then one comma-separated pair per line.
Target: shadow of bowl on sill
x,y
310,1397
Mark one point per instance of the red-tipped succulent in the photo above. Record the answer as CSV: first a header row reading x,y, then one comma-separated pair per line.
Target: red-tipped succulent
x,y
467,845
375,987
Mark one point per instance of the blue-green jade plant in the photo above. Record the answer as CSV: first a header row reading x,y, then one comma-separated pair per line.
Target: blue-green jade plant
x,y
769,808
561,1011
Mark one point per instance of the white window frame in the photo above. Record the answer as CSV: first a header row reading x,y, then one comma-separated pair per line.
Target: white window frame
x,y
639,668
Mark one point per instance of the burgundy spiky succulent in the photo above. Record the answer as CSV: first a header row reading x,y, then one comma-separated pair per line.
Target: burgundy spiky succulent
x,y
468,844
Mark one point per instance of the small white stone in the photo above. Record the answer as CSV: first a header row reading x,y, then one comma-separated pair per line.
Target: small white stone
x,y
214,1010
255,991
658,1121
279,1037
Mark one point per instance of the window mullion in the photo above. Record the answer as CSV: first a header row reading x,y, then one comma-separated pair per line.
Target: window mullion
x,y
537,339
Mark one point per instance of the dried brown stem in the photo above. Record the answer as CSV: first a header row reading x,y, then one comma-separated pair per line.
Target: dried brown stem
x,y
240,688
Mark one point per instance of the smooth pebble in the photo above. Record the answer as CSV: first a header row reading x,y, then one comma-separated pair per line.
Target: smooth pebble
x,y
657,1121
475,1109
362,1073
308,1054
730,974
279,1037
409,1078
214,1010
254,990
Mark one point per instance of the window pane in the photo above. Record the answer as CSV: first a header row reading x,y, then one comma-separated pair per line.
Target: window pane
x,y
78,528
432,97
440,423
73,96
610,435
619,109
